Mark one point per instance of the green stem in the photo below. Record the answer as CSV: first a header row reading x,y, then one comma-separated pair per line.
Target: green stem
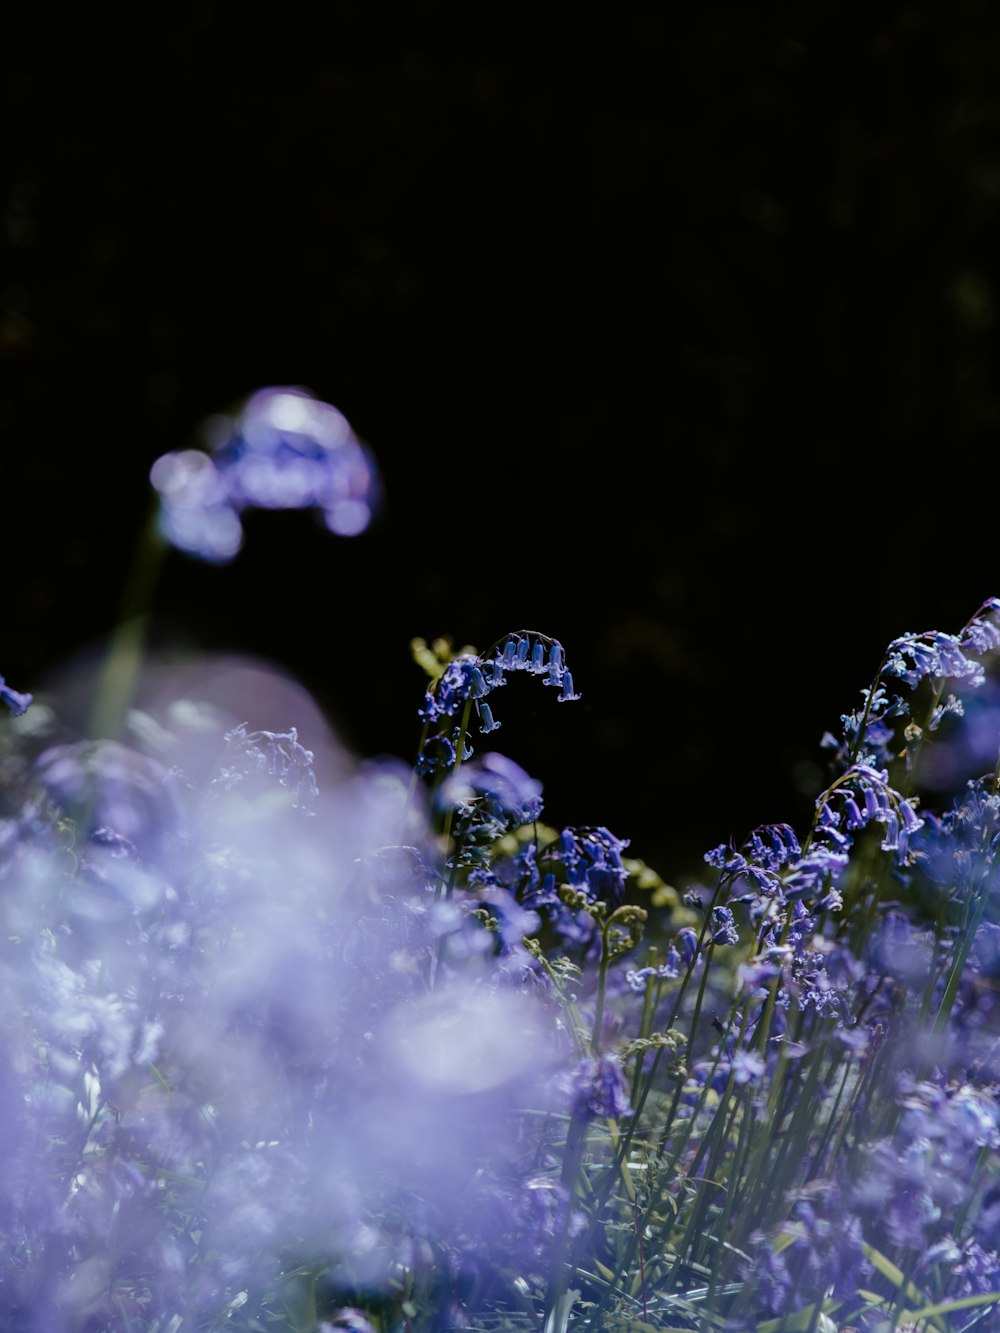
x,y
602,978
558,1271
123,659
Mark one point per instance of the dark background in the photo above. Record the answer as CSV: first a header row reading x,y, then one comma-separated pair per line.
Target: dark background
x,y
673,330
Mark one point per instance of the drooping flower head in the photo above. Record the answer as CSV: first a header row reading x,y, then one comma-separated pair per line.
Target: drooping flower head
x,y
467,679
283,449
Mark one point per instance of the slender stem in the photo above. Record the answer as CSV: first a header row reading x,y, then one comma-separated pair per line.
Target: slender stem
x,y
602,979
572,1156
123,659
450,812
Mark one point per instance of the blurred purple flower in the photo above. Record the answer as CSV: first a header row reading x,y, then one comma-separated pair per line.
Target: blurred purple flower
x,y
503,782
283,449
598,1088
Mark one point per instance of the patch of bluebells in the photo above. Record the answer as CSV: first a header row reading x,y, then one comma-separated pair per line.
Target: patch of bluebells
x,y
464,685
915,659
399,1065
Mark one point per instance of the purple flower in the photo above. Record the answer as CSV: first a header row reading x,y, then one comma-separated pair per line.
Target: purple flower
x,y
468,677
503,782
724,927
196,513
567,689
747,1067
687,944
283,449
486,719
590,859
17,703
637,978
598,1089
278,754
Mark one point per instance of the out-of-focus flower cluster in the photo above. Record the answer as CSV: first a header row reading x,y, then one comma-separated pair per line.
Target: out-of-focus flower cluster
x,y
391,1053
282,449
237,1037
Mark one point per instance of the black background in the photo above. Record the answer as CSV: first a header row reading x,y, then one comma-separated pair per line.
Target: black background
x,y
672,329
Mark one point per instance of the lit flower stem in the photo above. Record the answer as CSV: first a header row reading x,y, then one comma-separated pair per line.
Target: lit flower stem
x,y
449,814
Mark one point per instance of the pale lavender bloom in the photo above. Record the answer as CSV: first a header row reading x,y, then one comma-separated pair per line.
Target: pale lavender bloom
x,y
284,449
109,789
638,978
278,754
747,1067
196,514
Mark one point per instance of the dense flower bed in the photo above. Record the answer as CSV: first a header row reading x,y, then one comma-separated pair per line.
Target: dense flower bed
x,y
382,1050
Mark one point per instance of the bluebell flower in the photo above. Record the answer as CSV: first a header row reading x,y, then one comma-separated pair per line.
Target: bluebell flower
x,y
827,1252
16,702
501,780
469,677
567,689
853,818
724,927
637,978
196,514
598,1089
109,788
771,846
892,836
687,944
486,719
973,1270
446,696
589,859
279,754
283,449
747,1067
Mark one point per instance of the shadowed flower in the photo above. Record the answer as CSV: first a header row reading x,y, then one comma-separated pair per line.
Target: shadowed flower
x,y
17,703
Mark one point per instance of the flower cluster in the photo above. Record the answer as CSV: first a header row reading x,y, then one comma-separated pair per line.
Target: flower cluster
x,y
383,1054
282,449
467,680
